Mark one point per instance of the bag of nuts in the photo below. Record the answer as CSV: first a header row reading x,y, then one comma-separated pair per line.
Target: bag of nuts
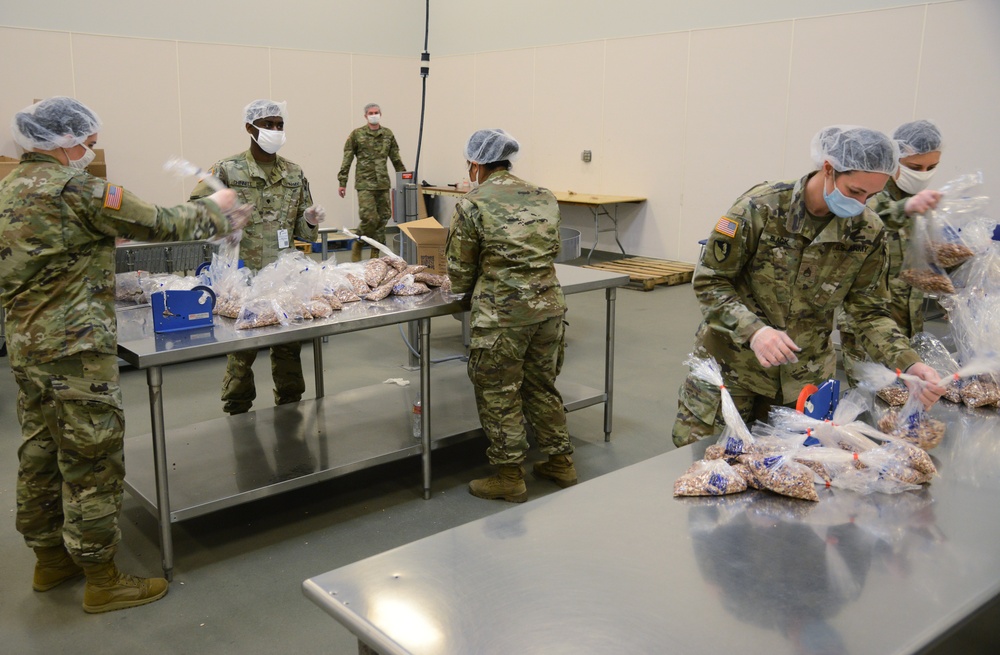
x,y
921,270
709,478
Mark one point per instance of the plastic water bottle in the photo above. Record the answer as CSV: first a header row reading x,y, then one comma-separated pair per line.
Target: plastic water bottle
x,y
418,410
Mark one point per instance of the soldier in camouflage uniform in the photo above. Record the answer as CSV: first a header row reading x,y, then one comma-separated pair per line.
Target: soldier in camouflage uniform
x,y
371,145
920,149
283,211
501,249
57,261
775,269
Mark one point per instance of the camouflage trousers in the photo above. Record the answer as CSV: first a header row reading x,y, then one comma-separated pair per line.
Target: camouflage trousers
x,y
374,212
699,410
513,371
71,459
238,390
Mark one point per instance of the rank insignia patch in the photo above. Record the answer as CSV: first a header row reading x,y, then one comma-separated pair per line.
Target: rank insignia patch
x,y
113,197
727,227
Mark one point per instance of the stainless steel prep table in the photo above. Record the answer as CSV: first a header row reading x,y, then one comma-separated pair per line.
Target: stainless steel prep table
x,y
232,460
617,565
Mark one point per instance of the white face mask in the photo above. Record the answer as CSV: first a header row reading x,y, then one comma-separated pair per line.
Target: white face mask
x,y
84,161
912,181
474,181
374,119
270,141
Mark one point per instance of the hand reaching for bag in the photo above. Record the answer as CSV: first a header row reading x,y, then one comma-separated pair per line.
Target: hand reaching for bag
x,y
773,347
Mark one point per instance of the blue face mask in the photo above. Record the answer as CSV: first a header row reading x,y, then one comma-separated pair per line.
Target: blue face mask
x,y
841,205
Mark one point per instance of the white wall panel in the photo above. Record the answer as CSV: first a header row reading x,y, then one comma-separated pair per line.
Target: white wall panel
x,y
133,85
505,98
317,87
643,155
568,115
216,83
871,83
451,102
44,68
959,89
737,98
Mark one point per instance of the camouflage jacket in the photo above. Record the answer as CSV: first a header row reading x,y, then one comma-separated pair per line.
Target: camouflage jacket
x,y
57,255
279,203
906,303
371,148
769,262
502,245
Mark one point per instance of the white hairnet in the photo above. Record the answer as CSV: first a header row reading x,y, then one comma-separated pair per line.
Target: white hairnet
x,y
54,123
917,138
265,109
372,105
853,148
489,146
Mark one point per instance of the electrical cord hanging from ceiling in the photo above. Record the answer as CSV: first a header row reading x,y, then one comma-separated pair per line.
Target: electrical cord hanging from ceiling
x,y
425,61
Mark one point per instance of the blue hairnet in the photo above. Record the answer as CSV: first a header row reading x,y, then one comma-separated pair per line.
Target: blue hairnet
x,y
489,146
54,123
853,148
917,138
265,109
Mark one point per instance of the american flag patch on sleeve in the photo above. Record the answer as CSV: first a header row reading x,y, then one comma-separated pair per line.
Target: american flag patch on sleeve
x,y
726,226
113,197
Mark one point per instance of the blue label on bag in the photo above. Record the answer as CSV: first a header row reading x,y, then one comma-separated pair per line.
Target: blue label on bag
x,y
770,462
718,483
734,446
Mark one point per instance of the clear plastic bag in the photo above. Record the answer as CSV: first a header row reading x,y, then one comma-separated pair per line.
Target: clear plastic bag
x,y
934,354
783,475
735,438
128,286
921,270
913,424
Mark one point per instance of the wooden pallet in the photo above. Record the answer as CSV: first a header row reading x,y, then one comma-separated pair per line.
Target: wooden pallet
x,y
645,272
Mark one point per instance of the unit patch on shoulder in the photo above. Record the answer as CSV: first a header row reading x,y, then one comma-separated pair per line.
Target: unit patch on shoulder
x,y
722,250
113,197
727,226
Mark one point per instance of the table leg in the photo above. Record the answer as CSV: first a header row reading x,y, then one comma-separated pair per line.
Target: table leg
x,y
318,365
597,234
424,329
609,360
323,249
614,220
154,378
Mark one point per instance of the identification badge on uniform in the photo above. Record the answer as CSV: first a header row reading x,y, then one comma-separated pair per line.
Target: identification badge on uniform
x,y
727,226
722,250
282,239
113,195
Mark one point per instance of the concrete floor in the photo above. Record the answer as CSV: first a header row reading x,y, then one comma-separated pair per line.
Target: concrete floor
x,y
238,571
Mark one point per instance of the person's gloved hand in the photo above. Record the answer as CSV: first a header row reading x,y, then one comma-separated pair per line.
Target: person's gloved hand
x,y
932,390
315,215
922,202
773,347
342,191
224,198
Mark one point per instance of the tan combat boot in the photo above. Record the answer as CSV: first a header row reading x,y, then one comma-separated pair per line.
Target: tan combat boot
x,y
507,484
356,251
559,469
109,589
54,567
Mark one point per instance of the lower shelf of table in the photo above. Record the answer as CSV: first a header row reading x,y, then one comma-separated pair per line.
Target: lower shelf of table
x,y
232,460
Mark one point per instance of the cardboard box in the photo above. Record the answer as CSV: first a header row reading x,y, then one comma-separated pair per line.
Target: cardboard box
x,y
7,164
430,237
98,167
